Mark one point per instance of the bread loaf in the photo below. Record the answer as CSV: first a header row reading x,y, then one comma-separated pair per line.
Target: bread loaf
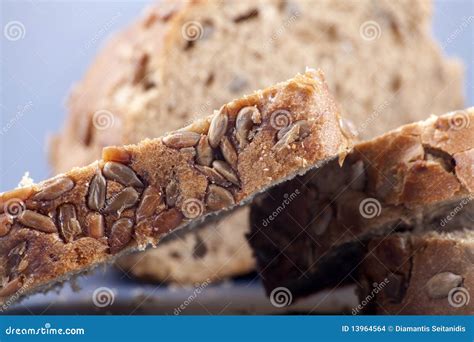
x,y
180,60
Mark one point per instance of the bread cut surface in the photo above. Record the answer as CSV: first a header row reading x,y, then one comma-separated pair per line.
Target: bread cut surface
x,y
180,60
137,194
311,233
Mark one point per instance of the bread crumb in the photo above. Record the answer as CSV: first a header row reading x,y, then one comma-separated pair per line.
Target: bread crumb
x,y
26,181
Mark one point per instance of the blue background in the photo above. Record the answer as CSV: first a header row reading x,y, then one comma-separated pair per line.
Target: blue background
x,y
62,38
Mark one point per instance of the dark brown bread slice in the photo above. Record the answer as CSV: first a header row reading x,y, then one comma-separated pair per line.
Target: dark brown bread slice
x,y
428,274
311,233
138,193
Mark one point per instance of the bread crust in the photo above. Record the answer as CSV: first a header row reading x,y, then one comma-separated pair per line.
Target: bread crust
x,y
428,274
139,193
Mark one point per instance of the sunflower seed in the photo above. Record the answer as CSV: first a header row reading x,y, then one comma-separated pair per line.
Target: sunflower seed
x,y
120,234
440,284
151,201
97,192
218,127
200,126
213,176
96,225
204,154
37,221
228,151
226,171
122,174
12,287
244,123
5,224
125,199
218,198
348,128
116,154
172,193
167,221
180,139
54,188
288,135
68,224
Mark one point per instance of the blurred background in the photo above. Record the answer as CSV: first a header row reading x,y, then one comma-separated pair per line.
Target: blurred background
x,y
56,42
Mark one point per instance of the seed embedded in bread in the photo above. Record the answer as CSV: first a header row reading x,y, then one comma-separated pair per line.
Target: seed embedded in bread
x,y
37,221
218,198
122,174
127,198
204,153
53,189
218,127
440,284
69,226
97,192
180,139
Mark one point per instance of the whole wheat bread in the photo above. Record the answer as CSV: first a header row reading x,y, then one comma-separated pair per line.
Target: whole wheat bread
x,y
137,194
179,60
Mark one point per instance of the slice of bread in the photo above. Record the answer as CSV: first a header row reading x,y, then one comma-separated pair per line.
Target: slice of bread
x,y
311,233
427,274
182,59
137,194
